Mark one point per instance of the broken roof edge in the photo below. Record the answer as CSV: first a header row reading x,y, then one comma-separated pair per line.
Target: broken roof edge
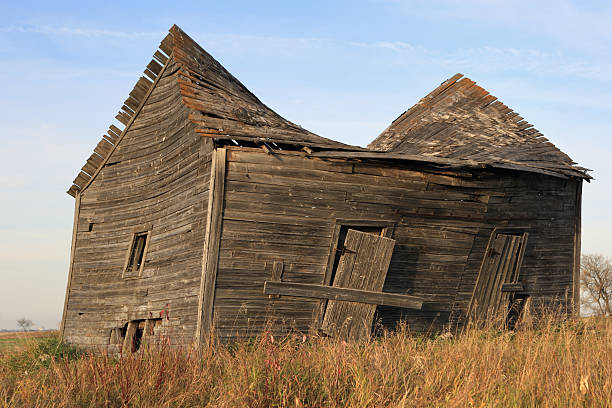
x,y
387,141
192,74
446,162
139,95
128,112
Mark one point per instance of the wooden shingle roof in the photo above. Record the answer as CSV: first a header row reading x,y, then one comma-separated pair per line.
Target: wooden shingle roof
x,y
221,107
457,122
461,120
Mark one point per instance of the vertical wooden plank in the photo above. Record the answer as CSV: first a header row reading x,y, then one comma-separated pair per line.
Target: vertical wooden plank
x,y
210,257
505,255
147,333
363,266
577,244
129,337
491,275
510,256
77,208
387,228
277,273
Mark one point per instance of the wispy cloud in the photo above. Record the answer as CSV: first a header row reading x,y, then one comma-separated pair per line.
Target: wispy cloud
x,y
80,32
495,59
484,58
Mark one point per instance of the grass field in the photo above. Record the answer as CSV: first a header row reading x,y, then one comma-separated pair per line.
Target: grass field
x,y
558,363
12,341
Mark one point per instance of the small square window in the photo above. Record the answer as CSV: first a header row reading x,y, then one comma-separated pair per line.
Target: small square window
x,y
136,256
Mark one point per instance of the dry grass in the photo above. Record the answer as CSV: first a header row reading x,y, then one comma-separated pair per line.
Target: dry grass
x,y
14,341
561,364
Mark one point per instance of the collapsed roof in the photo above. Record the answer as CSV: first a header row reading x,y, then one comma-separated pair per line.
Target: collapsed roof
x,y
221,107
458,124
461,120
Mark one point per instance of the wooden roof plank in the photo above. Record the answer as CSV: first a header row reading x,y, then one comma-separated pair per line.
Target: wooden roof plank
x,y
464,121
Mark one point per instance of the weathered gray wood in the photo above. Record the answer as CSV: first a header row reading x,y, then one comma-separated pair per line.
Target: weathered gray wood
x,y
498,275
577,245
512,287
127,121
363,265
277,273
159,176
213,236
342,294
128,340
77,206
438,125
285,206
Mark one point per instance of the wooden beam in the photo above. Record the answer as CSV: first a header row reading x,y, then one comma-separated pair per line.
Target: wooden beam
x,y
512,287
342,294
129,338
577,244
77,209
210,257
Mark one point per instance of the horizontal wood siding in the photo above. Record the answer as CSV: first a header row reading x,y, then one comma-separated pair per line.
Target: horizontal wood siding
x,y
546,208
283,207
156,179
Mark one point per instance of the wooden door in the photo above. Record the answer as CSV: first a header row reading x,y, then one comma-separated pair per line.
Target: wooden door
x,y
363,264
500,266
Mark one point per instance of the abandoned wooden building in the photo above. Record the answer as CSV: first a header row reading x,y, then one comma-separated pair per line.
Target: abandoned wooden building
x,y
207,215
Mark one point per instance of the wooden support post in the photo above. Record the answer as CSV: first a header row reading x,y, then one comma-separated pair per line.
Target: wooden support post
x,y
577,244
129,337
210,257
75,222
369,297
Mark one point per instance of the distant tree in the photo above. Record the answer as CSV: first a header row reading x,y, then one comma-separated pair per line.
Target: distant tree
x,y
596,283
25,324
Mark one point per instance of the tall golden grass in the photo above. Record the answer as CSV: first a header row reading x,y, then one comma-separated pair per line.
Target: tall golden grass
x,y
560,363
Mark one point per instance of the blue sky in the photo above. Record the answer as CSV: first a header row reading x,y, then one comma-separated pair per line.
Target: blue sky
x,y
344,70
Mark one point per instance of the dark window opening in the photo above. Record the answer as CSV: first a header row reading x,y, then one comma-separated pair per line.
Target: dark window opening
x,y
90,227
516,307
136,254
137,338
340,245
135,333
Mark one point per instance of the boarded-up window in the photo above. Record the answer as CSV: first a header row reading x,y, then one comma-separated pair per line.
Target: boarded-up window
x,y
499,274
136,255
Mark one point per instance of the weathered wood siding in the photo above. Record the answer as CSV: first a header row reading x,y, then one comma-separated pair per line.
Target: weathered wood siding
x,y
158,178
547,208
283,207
